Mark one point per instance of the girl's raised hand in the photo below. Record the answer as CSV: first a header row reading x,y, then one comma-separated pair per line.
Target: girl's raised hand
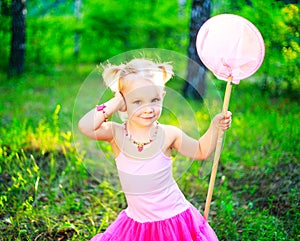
x,y
222,122
121,101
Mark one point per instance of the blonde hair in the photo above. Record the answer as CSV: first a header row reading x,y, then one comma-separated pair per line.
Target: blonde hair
x,y
114,76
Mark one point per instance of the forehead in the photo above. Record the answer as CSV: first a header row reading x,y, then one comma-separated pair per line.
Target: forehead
x,y
142,88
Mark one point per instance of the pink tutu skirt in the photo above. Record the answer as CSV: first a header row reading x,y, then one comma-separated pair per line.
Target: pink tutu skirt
x,y
186,226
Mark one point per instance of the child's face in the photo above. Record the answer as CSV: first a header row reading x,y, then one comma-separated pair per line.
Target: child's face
x,y
143,101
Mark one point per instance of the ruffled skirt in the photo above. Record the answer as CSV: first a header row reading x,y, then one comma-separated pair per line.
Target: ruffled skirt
x,y
186,226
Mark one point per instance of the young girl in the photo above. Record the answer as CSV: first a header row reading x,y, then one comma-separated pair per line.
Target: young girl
x,y
157,210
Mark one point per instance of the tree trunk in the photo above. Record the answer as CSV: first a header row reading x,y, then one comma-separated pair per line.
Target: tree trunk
x,y
18,28
195,84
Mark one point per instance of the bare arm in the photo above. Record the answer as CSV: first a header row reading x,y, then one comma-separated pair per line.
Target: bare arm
x,y
202,148
93,124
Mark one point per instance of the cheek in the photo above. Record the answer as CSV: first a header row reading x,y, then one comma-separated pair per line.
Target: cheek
x,y
157,108
133,109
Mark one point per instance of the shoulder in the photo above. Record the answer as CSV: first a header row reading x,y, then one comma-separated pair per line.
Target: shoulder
x,y
179,140
171,130
172,134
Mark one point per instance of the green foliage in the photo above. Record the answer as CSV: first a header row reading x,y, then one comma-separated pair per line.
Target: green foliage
x,y
114,27
5,37
108,28
50,40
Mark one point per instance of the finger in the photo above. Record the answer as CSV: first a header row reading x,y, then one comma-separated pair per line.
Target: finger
x,y
224,121
228,114
227,121
225,125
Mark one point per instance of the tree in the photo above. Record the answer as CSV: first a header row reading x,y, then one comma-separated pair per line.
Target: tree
x,y
18,28
195,84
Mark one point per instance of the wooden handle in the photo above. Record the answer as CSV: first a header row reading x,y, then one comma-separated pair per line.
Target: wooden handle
x,y
217,151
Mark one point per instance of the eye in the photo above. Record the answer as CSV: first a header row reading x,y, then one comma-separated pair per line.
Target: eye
x,y
137,102
155,100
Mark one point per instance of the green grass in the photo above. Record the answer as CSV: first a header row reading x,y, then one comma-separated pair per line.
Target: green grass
x,y
47,193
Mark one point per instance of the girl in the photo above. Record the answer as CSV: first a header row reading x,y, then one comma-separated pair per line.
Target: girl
x,y
157,210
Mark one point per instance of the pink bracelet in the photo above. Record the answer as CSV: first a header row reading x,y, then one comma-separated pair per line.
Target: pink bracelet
x,y
102,108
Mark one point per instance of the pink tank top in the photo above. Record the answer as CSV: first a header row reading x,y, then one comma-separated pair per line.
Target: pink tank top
x,y
150,189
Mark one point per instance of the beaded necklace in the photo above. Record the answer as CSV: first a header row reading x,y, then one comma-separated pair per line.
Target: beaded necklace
x,y
140,145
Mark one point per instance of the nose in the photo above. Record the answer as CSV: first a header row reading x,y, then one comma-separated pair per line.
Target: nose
x,y
148,109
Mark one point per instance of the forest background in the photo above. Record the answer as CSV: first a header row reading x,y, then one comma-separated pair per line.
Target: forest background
x,y
46,191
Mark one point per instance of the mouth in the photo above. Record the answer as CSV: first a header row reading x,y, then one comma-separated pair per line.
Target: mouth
x,y
147,117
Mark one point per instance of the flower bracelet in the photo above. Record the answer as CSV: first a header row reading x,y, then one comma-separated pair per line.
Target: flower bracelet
x,y
102,108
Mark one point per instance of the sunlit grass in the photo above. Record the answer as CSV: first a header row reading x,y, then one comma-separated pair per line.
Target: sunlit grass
x,y
47,193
